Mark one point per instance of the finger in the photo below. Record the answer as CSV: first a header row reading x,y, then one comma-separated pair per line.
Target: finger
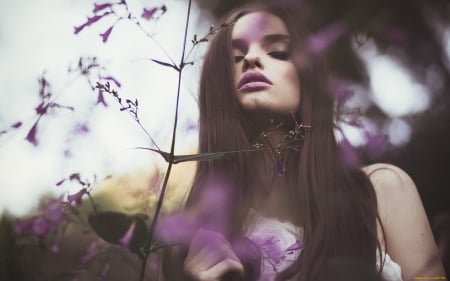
x,y
202,260
209,256
221,268
212,240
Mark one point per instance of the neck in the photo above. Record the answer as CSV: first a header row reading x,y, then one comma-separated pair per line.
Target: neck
x,y
269,180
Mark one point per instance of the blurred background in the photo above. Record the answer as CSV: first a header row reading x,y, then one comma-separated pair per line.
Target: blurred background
x,y
390,59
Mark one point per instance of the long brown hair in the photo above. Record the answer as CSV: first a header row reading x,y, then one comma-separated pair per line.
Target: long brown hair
x,y
336,203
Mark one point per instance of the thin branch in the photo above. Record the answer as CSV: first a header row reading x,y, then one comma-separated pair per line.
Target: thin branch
x,y
172,150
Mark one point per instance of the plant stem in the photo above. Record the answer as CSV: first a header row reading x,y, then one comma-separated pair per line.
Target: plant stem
x,y
172,154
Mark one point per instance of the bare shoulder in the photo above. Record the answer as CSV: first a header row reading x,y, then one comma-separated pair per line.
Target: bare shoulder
x,y
389,178
408,236
394,188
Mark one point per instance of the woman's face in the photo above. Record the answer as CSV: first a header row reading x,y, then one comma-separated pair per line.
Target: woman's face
x,y
265,76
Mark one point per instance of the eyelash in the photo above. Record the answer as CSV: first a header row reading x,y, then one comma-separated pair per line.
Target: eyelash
x,y
280,55
238,59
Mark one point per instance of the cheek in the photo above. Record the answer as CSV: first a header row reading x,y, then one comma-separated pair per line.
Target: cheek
x,y
293,84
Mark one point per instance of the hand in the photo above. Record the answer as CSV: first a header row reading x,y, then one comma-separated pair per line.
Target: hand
x,y
211,257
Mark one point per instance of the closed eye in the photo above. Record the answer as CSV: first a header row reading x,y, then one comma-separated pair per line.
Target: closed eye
x,y
238,58
280,55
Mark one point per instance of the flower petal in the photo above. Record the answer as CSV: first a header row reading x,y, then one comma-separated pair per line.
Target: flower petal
x,y
148,13
296,246
126,239
105,35
99,7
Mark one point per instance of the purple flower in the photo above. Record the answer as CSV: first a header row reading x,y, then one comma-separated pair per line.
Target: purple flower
x,y
41,226
105,35
90,20
398,35
341,89
376,144
77,196
60,182
31,136
42,108
16,125
296,246
321,40
43,85
55,248
91,251
148,13
21,226
114,80
54,211
105,269
126,239
81,129
99,7
348,153
177,228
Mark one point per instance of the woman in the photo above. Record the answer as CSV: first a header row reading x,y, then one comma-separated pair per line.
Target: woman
x,y
312,217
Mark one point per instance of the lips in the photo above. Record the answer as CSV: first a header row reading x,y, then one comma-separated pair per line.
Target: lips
x,y
253,80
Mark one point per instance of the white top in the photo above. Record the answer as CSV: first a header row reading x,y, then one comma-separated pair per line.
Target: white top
x,y
281,245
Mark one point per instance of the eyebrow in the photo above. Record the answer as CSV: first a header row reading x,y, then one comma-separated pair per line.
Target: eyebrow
x,y
267,39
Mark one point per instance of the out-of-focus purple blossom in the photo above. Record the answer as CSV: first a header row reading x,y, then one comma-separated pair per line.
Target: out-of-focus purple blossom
x,y
105,35
105,270
99,7
376,144
321,40
296,246
148,13
398,34
55,211
91,251
90,20
77,196
81,129
126,238
216,202
31,136
55,248
41,226
177,228
191,126
348,153
271,247
341,89
21,226
114,80
355,121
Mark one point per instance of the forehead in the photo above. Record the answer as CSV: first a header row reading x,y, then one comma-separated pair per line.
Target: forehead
x,y
255,25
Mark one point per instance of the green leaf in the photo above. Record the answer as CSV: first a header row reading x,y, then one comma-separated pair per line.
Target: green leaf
x,y
199,156
112,226
165,64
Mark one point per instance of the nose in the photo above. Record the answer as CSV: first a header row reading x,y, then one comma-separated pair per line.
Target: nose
x,y
252,61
